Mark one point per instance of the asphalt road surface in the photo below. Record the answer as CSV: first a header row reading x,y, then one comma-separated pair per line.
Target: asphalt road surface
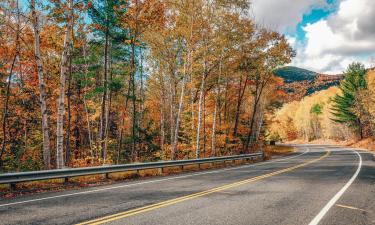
x,y
315,185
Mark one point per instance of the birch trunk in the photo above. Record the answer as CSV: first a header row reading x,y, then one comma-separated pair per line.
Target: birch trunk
x,y
42,88
162,132
200,110
60,105
217,97
177,125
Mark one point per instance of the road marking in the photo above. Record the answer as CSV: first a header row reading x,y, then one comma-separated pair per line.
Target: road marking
x,y
151,181
350,207
132,212
326,208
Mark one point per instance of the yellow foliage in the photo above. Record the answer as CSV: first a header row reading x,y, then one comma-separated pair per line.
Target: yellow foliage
x,y
297,119
370,79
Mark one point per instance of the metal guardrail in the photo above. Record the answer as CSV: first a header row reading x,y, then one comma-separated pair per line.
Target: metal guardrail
x,y
12,178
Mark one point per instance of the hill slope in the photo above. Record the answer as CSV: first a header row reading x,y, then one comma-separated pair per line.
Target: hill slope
x,y
292,74
301,82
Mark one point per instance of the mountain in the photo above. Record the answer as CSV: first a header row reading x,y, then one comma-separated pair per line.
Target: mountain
x,y
292,74
300,82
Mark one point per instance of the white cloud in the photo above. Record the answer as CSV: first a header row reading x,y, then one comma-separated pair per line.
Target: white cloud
x,y
283,15
345,36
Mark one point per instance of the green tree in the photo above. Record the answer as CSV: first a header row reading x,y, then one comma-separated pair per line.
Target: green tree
x,y
343,109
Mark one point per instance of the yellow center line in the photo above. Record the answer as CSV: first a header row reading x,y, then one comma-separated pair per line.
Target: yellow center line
x,y
132,212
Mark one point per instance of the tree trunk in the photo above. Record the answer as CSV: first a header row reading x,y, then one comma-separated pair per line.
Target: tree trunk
x,y
60,105
68,128
134,126
257,97
200,110
213,138
103,118
42,86
360,129
180,106
85,103
162,138
217,97
108,108
241,93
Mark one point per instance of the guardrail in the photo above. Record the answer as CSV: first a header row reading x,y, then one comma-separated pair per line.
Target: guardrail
x,y
13,178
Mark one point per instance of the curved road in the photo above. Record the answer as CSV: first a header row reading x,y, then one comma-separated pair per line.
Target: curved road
x,y
315,185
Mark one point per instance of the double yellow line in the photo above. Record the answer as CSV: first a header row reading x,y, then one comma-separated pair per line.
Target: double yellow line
x,y
132,212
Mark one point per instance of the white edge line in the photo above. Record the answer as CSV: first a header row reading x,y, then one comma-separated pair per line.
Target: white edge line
x,y
151,181
328,206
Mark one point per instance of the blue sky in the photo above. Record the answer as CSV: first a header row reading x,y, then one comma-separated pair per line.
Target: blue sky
x,y
314,16
327,34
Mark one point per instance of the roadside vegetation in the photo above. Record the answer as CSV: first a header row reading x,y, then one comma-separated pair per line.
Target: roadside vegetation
x,y
91,82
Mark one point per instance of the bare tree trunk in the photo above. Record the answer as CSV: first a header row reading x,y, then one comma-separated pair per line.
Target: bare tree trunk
x,y
241,93
257,97
85,104
180,106
162,138
134,114
68,128
213,138
260,125
103,117
107,109
60,105
200,110
42,86
226,121
217,97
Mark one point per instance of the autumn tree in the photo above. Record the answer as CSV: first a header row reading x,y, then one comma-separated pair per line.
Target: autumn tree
x,y
270,52
42,84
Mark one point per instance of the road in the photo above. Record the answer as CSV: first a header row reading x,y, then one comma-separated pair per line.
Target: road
x,y
315,185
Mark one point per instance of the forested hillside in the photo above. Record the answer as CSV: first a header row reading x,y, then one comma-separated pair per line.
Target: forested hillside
x,y
342,113
301,82
94,82
292,74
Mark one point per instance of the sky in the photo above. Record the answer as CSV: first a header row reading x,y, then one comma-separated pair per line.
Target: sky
x,y
327,34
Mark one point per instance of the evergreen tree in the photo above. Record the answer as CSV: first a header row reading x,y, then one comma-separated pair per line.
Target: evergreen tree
x,y
344,103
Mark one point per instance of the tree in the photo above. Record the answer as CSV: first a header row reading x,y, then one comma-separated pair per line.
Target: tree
x,y
42,86
343,109
271,51
16,50
67,48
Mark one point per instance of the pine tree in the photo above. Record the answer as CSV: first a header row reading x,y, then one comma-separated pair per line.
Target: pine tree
x,y
344,103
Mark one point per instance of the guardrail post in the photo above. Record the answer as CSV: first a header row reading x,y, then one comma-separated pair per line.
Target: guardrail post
x,y
13,186
160,171
199,166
